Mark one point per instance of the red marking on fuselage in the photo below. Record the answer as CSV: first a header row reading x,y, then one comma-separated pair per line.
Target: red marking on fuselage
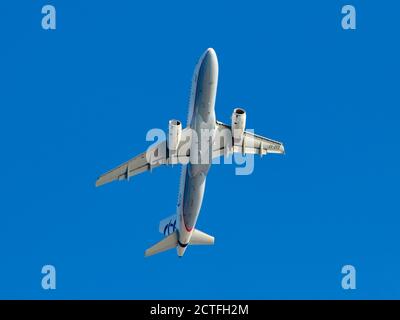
x,y
187,229
183,221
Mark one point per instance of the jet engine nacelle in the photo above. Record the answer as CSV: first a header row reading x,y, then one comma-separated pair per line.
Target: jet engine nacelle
x,y
174,134
238,125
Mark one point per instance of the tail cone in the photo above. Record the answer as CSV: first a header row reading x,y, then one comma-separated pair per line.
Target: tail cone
x,y
180,250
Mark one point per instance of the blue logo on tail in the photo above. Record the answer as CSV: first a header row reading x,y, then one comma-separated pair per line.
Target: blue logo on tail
x,y
170,227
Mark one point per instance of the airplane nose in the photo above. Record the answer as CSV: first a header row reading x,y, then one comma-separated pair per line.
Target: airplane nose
x,y
209,66
210,57
206,84
210,51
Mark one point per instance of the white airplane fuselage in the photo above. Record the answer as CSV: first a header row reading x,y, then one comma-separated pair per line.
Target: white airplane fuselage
x,y
194,147
193,176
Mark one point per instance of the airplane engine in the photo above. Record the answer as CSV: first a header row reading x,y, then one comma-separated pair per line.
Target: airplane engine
x,y
174,134
238,125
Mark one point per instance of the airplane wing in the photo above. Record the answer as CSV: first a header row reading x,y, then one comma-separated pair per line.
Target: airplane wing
x,y
252,143
155,156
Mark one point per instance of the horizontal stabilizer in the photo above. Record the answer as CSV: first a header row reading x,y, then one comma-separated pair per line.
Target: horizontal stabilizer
x,y
199,237
165,244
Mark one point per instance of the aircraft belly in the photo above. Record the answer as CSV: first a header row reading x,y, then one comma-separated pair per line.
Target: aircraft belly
x,y
206,88
201,116
193,198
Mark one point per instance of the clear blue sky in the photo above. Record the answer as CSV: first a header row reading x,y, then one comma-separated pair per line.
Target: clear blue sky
x,y
79,100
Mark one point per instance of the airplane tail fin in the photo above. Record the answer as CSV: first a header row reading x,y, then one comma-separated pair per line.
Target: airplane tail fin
x,y
198,238
165,244
168,225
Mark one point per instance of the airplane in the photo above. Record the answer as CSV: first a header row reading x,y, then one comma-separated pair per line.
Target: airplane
x,y
183,146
